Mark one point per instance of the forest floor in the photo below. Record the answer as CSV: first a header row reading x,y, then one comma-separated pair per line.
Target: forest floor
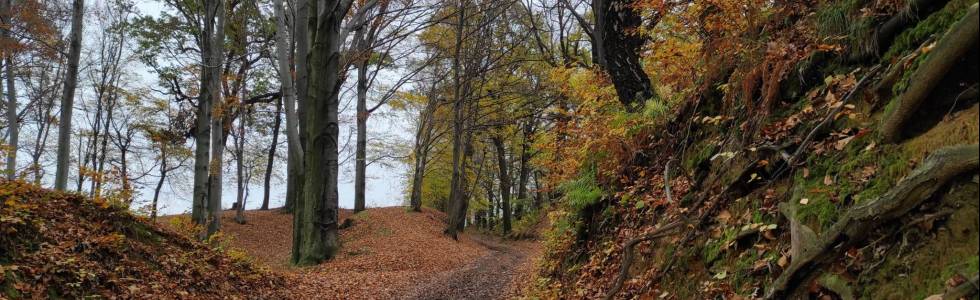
x,y
389,253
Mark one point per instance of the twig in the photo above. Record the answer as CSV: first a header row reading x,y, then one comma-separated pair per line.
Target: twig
x,y
806,141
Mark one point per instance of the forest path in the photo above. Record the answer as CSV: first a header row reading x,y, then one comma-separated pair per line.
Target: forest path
x,y
389,253
500,274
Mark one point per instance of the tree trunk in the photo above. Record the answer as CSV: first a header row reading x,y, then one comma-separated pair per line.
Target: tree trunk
x,y
617,50
294,199
12,120
240,157
504,179
272,155
68,96
295,152
360,164
99,163
217,121
317,215
163,177
423,137
457,209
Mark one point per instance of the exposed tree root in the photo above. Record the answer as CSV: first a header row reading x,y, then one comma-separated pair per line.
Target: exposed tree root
x,y
807,249
656,234
628,254
791,160
954,45
964,290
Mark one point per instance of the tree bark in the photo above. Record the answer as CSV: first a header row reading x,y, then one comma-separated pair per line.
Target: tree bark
x,y
423,138
240,157
294,199
956,43
457,207
216,38
317,216
617,50
163,177
360,163
13,125
272,154
68,96
504,180
295,151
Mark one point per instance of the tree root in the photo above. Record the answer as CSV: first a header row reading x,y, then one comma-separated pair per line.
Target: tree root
x,y
656,234
807,249
790,161
628,254
966,289
954,44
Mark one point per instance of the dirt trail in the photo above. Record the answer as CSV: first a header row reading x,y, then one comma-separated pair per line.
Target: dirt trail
x,y
390,253
496,275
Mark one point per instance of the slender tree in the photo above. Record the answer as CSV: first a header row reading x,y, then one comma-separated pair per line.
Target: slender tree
x,y
68,96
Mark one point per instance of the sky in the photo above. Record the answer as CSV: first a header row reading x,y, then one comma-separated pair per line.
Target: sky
x,y
385,181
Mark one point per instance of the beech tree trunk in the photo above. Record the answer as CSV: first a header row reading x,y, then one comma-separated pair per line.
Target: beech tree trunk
x,y
8,64
294,150
240,157
360,153
316,215
68,96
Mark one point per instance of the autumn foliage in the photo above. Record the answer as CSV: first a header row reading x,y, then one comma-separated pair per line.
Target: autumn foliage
x,y
64,245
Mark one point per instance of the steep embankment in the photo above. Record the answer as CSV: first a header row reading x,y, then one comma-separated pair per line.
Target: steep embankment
x,y
826,161
387,253
63,245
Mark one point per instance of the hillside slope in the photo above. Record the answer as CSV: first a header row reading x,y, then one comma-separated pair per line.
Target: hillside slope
x,y
815,160
62,245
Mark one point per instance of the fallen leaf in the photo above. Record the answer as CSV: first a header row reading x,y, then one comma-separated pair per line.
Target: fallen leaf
x,y
722,275
843,143
724,216
783,261
827,180
805,201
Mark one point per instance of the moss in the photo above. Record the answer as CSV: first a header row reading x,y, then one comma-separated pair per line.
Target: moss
x,y
701,151
836,181
960,128
920,269
937,22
